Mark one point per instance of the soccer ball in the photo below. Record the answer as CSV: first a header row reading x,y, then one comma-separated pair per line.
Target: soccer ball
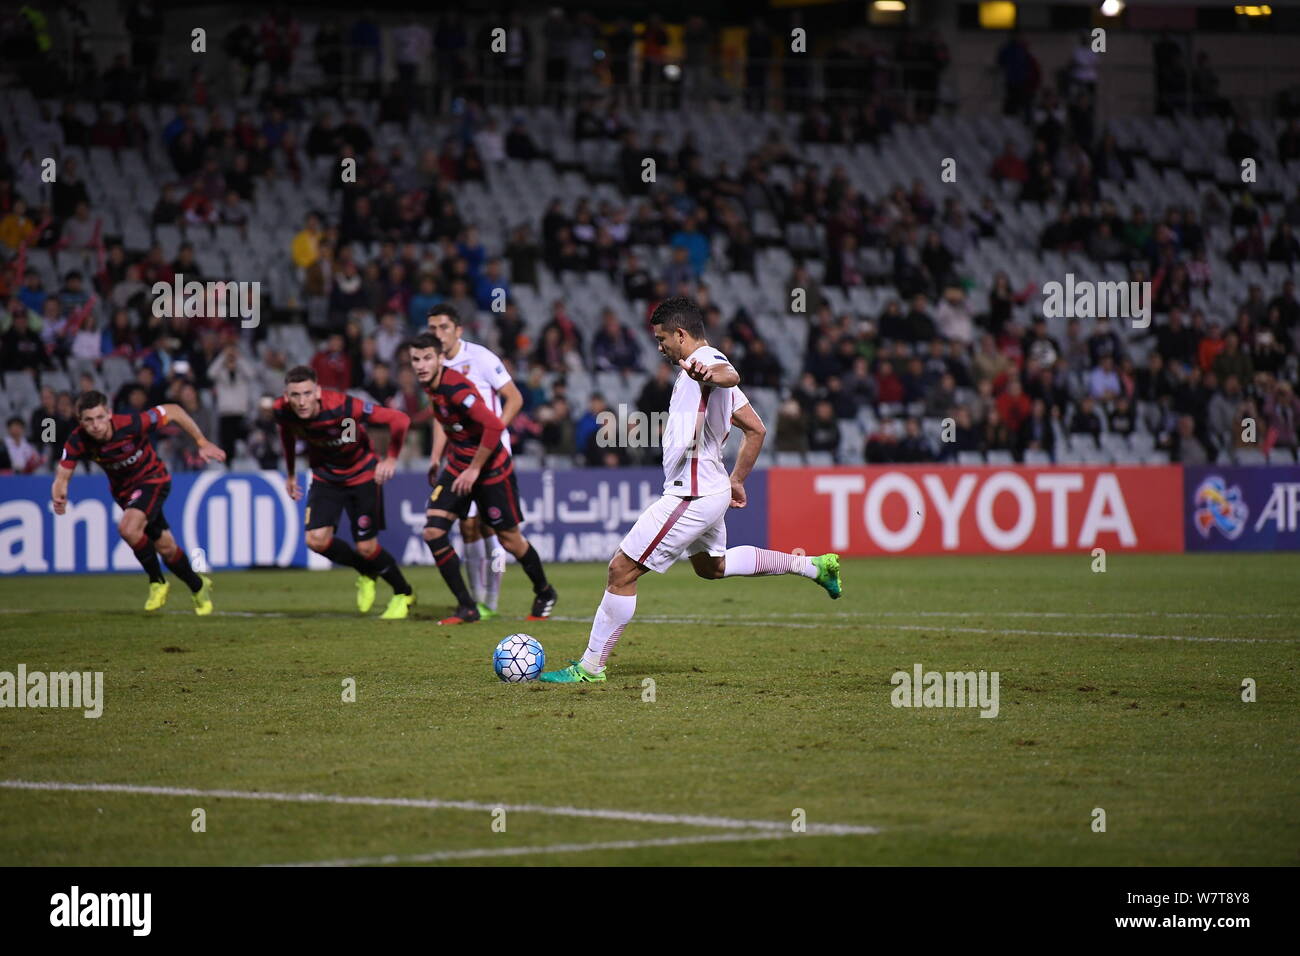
x,y
518,658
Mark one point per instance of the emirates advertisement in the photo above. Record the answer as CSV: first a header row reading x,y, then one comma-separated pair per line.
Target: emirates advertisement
x,y
944,510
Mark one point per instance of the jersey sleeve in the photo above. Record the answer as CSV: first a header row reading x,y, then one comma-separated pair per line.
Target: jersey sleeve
x,y
494,371
73,451
151,419
713,357
739,399
478,410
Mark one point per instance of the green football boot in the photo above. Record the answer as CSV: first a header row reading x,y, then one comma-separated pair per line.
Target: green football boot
x,y
157,595
828,573
485,612
575,673
365,593
203,597
399,608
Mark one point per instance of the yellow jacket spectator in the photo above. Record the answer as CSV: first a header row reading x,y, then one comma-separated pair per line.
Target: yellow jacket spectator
x,y
16,228
306,245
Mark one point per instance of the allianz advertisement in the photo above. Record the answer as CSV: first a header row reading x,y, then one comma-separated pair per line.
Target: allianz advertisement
x,y
246,519
1242,509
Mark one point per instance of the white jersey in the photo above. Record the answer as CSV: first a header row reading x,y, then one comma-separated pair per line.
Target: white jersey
x,y
488,373
699,421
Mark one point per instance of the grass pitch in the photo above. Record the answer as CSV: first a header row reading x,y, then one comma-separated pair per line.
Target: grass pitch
x,y
1120,691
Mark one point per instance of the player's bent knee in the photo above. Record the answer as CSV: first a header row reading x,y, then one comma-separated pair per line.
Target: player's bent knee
x,y
319,540
368,548
622,570
438,525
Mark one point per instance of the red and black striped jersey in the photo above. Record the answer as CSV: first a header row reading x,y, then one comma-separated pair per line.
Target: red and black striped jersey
x,y
339,452
469,424
126,456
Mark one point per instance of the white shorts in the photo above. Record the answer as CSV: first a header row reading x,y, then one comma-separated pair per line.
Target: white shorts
x,y
674,527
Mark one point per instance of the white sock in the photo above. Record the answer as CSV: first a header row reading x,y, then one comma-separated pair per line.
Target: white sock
x,y
498,559
748,561
476,565
606,627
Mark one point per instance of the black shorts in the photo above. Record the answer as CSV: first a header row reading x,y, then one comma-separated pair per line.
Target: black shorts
x,y
149,498
498,502
364,503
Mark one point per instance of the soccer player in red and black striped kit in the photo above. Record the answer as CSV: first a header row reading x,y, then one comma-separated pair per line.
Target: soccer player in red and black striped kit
x,y
346,475
139,483
478,468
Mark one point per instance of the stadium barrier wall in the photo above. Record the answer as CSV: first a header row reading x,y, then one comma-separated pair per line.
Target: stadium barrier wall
x,y
245,519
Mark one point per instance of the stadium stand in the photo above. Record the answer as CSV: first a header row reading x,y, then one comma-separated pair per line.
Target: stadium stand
x,y
875,314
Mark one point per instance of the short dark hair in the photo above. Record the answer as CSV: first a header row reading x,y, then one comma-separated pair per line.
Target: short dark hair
x,y
300,373
14,418
88,400
679,312
425,340
447,309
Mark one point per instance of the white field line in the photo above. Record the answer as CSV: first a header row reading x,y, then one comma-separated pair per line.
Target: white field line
x,y
844,620
631,816
823,625
509,851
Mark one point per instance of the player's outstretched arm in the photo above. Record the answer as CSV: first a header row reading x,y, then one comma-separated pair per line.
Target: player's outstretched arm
x,y
59,490
439,446
288,447
753,434
207,450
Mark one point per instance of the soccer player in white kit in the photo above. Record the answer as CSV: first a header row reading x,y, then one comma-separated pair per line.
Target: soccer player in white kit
x,y
482,367
690,518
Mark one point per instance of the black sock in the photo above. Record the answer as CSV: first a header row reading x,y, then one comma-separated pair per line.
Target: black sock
x,y
382,565
449,564
180,566
340,552
532,566
148,558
